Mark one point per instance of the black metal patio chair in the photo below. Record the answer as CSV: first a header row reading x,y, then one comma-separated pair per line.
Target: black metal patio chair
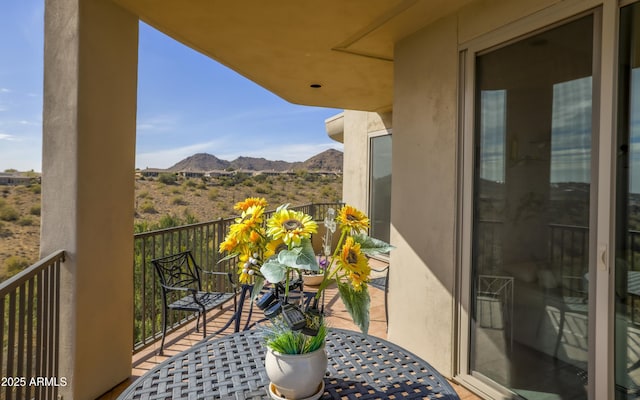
x,y
180,279
382,283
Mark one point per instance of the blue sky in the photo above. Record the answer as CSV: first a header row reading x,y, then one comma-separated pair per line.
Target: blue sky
x,y
187,103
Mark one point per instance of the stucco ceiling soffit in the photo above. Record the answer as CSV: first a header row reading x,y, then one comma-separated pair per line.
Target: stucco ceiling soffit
x,y
385,50
285,46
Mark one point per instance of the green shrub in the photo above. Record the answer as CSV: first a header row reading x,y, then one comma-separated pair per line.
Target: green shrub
x,y
213,194
8,213
142,226
4,232
190,183
189,218
15,264
143,194
35,210
25,221
168,178
36,188
168,221
178,201
260,178
148,207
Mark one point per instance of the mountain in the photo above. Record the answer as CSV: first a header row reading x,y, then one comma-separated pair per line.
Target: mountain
x,y
328,160
260,164
200,162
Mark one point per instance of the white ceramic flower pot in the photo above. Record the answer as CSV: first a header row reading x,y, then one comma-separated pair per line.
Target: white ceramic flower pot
x,y
296,376
312,280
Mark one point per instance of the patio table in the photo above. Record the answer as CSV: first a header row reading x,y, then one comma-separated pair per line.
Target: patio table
x,y
232,367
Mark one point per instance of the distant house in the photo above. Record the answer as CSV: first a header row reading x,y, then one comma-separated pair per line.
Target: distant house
x,y
192,174
217,172
17,179
152,172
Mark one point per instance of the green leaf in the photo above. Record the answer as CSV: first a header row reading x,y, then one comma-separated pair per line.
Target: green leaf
x,y
357,304
273,271
300,257
371,246
228,257
258,284
307,258
288,257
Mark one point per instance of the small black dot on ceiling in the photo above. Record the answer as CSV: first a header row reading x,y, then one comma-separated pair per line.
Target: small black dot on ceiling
x,y
315,85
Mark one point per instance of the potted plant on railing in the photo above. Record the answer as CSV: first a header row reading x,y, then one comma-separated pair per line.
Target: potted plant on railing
x,y
277,251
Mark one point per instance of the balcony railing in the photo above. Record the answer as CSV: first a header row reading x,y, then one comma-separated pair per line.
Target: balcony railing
x,y
29,330
203,239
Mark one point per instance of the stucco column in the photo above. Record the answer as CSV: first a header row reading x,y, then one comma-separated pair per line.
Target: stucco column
x,y
89,122
423,211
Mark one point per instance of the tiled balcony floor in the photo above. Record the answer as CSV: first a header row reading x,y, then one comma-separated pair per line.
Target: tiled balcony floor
x,y
186,337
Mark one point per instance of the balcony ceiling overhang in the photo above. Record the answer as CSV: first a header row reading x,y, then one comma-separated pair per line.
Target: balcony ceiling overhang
x,y
288,45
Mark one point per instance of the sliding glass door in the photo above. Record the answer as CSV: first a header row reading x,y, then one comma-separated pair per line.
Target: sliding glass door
x,y
380,187
627,265
531,213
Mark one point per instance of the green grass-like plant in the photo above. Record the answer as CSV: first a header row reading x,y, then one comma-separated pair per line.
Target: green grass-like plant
x,y
283,340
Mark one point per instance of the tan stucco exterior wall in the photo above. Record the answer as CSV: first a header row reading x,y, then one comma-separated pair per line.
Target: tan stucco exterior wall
x,y
423,206
359,125
89,127
422,304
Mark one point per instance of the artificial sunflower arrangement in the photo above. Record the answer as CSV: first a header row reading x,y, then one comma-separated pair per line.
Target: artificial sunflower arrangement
x,y
278,250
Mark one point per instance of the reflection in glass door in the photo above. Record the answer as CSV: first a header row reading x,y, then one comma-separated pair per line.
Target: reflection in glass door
x,y
627,265
532,186
380,187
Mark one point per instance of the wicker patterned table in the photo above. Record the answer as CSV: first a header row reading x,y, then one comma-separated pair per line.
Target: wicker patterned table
x,y
232,367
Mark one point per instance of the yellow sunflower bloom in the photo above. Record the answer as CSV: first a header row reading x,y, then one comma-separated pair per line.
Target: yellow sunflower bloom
x,y
252,216
255,237
250,221
354,262
250,202
274,247
240,232
357,282
350,218
291,226
229,245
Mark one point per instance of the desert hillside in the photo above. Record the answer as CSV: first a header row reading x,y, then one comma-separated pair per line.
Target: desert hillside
x,y
328,160
161,202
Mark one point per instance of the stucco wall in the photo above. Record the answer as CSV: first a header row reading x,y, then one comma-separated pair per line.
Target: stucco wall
x,y
424,190
89,126
358,125
423,206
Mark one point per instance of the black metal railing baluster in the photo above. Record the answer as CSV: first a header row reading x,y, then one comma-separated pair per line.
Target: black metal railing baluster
x,y
29,330
203,239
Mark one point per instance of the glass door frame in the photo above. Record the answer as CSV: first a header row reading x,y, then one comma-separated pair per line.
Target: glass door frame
x,y
602,213
370,137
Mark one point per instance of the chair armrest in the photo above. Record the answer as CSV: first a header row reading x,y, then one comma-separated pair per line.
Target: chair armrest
x,y
179,288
